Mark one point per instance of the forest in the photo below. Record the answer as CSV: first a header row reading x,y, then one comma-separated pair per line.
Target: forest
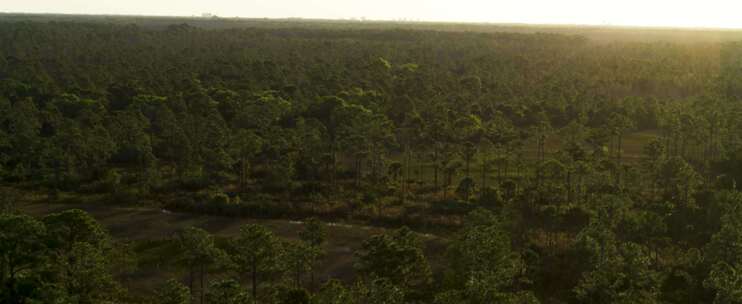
x,y
183,161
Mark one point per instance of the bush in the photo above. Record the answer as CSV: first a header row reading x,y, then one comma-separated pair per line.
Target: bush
x,y
220,199
292,296
369,197
466,188
491,197
509,190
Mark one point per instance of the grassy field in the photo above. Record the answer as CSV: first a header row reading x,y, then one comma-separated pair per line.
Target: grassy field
x,y
632,144
149,231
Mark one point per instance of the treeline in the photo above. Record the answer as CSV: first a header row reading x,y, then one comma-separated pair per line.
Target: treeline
x,y
601,34
401,127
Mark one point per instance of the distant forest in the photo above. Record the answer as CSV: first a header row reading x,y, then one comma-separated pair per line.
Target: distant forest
x,y
565,165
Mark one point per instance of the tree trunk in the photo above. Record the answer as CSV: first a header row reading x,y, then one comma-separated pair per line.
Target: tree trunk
x,y
711,143
406,174
372,165
484,178
3,270
243,176
468,162
333,163
420,175
254,281
358,171
620,151
11,282
191,280
569,186
543,147
435,178
541,160
666,138
448,184
311,279
435,169
203,291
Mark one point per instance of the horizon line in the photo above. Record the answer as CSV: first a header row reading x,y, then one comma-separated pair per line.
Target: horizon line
x,y
396,20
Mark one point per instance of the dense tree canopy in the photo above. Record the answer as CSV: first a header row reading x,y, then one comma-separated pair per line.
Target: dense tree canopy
x,y
547,167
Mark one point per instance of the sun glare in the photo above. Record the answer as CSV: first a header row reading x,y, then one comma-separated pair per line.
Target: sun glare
x,y
714,13
711,13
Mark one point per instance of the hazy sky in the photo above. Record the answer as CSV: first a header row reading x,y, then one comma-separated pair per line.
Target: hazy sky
x,y
705,13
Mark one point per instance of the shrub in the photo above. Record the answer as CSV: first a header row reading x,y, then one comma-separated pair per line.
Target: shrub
x,y
220,199
369,197
491,197
466,188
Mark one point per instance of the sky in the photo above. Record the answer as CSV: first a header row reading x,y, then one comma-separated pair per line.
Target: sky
x,y
673,13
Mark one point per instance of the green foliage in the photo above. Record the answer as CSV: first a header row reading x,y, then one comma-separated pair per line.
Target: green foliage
x,y
621,273
23,122
680,181
9,200
482,264
466,188
86,275
198,253
314,232
395,256
618,272
314,236
255,253
726,281
173,292
724,252
63,259
197,247
227,292
378,291
22,249
69,227
332,292
465,297
293,296
297,259
491,197
726,245
286,115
